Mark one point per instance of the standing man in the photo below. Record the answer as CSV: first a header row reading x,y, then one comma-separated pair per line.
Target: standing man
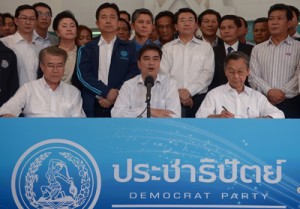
x,y
275,64
9,27
43,22
260,30
104,64
24,44
164,95
189,61
234,99
208,23
229,30
164,23
142,24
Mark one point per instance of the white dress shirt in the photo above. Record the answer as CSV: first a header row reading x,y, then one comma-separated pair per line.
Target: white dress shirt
x,y
37,99
105,52
276,67
234,47
27,56
131,100
191,65
247,104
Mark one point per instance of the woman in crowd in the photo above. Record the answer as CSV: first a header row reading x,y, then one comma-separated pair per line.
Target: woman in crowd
x,y
84,35
65,26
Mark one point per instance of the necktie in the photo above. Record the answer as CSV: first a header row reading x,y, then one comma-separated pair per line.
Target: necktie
x,y
229,50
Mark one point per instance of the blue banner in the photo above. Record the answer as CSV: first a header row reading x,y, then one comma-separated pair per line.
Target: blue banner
x,y
149,163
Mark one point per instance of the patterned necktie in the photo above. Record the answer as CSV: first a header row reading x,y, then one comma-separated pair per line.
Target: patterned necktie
x,y
229,50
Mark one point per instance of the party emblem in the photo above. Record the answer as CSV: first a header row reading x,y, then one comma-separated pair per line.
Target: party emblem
x,y
56,174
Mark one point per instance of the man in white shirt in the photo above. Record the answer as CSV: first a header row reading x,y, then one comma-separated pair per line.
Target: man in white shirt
x,y
164,101
48,96
189,61
235,99
44,38
23,43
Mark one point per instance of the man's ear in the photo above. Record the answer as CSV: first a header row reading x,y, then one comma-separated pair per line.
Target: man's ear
x,y
42,66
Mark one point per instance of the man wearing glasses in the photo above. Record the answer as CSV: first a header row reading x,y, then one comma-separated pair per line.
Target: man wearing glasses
x,y
47,96
43,22
24,44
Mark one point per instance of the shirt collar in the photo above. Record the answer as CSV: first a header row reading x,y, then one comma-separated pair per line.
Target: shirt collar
x,y
228,88
194,40
19,38
103,42
234,46
288,41
140,79
37,36
48,87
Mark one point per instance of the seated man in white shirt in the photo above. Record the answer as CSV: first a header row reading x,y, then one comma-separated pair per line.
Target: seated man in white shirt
x,y
48,96
164,102
234,99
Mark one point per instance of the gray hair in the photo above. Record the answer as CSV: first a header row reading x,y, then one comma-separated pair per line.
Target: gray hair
x,y
235,56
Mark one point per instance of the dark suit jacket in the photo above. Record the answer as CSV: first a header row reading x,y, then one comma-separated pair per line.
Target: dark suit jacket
x,y
123,67
9,79
220,55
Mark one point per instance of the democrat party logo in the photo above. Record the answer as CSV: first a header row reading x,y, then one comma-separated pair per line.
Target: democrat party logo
x,y
56,174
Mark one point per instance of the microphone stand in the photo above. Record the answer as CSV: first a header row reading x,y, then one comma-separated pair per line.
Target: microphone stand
x,y
148,98
149,82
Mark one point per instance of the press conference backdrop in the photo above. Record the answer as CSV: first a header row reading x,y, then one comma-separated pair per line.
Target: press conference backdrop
x,y
149,163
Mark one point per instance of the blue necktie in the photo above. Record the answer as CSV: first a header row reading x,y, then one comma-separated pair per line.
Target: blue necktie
x,y
229,50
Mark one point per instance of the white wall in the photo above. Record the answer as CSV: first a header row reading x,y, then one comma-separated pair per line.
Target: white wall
x,y
84,10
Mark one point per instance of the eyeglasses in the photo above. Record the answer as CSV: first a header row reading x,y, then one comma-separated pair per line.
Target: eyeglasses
x,y
53,67
27,19
46,14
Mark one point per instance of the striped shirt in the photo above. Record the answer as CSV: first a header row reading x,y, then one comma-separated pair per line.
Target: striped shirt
x,y
276,67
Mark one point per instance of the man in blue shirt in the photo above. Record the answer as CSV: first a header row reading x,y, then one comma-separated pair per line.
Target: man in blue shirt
x,y
104,64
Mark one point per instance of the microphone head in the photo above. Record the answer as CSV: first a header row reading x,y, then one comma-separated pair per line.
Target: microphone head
x,y
149,80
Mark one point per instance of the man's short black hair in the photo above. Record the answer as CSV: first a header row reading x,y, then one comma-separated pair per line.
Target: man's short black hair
x,y
185,10
8,15
245,22
164,14
296,10
42,4
138,12
126,13
105,6
62,15
281,7
24,7
235,19
260,20
148,47
209,12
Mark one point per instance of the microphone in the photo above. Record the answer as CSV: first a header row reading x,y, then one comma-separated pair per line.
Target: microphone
x,y
149,82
